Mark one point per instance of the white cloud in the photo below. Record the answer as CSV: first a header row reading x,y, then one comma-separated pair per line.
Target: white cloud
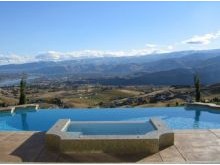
x,y
57,56
151,45
50,55
203,39
170,47
14,59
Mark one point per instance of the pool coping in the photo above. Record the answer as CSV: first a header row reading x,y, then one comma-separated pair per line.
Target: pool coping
x,y
11,109
200,104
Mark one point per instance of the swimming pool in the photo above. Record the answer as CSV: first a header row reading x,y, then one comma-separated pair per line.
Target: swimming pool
x,y
176,117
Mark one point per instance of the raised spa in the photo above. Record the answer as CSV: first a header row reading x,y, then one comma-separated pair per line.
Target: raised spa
x,y
118,137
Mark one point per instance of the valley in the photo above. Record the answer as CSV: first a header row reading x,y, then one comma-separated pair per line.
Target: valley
x,y
150,80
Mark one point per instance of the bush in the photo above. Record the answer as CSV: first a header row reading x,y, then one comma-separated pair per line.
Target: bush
x,y
2,105
215,99
152,100
101,103
57,101
177,104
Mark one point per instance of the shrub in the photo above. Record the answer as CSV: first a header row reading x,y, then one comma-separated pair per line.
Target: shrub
x,y
177,104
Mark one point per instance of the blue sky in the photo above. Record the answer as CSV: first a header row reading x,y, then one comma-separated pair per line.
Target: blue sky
x,y
82,28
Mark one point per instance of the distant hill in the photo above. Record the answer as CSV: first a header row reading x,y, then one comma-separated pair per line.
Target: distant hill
x,y
176,68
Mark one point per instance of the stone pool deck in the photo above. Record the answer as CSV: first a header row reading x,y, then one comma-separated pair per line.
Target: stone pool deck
x,y
190,146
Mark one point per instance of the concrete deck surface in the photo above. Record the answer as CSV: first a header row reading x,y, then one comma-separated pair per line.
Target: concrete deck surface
x,y
191,146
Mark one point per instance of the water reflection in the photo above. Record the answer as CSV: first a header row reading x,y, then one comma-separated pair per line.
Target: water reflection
x,y
24,114
197,119
24,122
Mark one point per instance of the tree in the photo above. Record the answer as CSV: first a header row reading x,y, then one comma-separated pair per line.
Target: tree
x,y
197,87
22,99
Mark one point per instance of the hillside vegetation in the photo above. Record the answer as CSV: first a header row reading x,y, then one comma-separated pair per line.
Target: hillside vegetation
x,y
88,96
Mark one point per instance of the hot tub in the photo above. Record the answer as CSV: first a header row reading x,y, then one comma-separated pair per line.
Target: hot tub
x,y
109,128
118,137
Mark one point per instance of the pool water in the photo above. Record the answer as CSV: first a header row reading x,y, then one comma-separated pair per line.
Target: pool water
x,y
176,117
112,128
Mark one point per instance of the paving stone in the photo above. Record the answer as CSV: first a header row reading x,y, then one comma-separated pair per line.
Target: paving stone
x,y
171,154
155,158
187,143
47,156
4,135
31,148
202,156
195,136
215,130
201,144
191,131
6,158
8,147
216,133
215,148
90,158
18,137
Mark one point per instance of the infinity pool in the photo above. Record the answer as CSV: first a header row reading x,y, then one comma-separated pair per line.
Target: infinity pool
x,y
176,117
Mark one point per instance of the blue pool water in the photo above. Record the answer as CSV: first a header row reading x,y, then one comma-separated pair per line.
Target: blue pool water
x,y
176,117
126,128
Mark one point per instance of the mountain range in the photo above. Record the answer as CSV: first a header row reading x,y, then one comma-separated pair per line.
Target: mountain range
x,y
176,68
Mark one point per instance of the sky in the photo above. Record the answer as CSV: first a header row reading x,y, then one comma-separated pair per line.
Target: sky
x,y
63,30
